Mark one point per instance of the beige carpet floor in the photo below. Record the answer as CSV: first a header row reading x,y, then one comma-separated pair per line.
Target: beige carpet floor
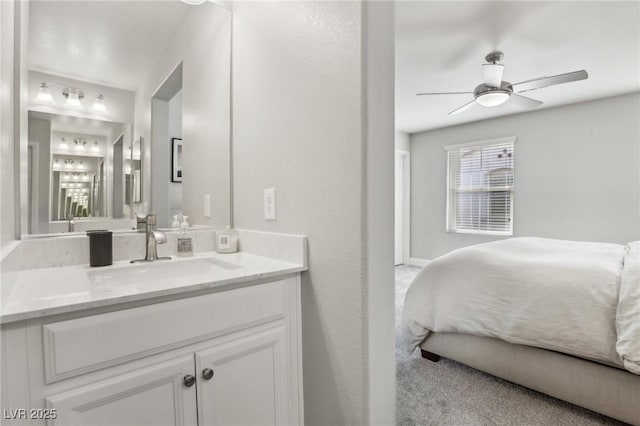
x,y
449,393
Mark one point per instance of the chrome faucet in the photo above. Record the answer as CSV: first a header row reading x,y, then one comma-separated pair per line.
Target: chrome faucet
x,y
71,223
153,238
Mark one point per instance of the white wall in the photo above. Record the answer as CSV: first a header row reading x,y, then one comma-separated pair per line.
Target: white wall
x,y
300,126
402,141
576,175
202,43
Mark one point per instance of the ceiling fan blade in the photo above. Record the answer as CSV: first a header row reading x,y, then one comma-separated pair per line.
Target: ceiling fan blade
x,y
463,107
539,83
523,101
445,93
492,74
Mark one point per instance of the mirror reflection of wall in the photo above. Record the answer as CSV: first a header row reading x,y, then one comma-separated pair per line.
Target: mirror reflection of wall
x,y
166,125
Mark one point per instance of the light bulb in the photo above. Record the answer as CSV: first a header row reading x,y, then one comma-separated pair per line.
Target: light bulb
x,y
99,105
63,144
44,94
73,98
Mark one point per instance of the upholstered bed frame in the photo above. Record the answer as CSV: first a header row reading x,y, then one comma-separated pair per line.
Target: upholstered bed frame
x,y
608,390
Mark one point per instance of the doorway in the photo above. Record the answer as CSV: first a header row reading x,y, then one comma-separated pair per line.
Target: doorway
x,y
402,207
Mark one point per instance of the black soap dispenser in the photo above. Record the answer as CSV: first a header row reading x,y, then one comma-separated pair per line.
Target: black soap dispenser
x,y
100,247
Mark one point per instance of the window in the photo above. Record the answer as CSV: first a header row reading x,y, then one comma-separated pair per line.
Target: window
x,y
480,187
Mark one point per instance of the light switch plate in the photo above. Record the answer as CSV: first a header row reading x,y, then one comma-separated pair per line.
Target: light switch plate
x,y
270,204
207,205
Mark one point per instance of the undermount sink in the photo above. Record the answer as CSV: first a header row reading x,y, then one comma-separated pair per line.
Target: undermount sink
x,y
158,270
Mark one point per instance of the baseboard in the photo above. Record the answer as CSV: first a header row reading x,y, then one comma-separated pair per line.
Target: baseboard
x,y
416,261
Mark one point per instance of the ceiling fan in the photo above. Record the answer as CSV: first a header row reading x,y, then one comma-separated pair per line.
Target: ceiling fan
x,y
494,91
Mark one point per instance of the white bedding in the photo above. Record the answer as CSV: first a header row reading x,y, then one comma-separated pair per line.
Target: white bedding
x,y
552,294
628,313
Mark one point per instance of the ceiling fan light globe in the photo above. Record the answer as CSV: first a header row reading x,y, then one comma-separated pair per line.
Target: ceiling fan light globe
x,y
492,99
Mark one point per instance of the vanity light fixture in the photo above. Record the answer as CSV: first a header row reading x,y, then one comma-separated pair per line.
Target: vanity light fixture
x,y
95,147
63,144
73,97
68,164
81,166
80,143
99,105
44,94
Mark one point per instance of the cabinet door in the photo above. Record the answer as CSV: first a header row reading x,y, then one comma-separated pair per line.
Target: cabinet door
x,y
154,396
249,385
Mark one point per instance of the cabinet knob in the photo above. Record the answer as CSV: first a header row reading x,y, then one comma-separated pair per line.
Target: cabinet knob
x,y
207,373
189,380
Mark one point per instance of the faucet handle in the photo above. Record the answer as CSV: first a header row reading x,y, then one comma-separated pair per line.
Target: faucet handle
x,y
150,220
141,222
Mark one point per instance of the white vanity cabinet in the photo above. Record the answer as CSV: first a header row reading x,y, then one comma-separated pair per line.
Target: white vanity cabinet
x,y
153,395
215,358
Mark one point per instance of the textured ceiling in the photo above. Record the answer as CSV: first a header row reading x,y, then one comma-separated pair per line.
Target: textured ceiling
x,y
440,46
114,43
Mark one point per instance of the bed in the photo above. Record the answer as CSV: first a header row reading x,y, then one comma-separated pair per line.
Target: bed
x,y
559,317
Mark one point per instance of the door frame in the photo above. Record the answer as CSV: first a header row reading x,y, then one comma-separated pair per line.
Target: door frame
x,y
406,204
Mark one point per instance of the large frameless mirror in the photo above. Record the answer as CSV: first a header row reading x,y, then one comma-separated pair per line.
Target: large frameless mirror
x,y
111,87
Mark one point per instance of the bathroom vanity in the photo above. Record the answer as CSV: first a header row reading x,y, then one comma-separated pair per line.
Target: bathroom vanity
x,y
208,340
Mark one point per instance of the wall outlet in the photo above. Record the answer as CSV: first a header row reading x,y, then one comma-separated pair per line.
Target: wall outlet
x,y
270,204
207,205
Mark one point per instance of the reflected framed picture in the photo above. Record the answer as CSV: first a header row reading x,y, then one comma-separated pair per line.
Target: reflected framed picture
x,y
176,160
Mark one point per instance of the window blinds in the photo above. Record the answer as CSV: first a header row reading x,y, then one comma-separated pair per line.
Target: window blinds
x,y
480,187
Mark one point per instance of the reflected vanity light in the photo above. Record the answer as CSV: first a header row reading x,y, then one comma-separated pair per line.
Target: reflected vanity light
x,y
73,97
99,105
95,147
63,144
44,94
80,143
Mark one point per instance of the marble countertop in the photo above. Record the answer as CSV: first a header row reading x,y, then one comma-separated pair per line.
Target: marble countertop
x,y
42,292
